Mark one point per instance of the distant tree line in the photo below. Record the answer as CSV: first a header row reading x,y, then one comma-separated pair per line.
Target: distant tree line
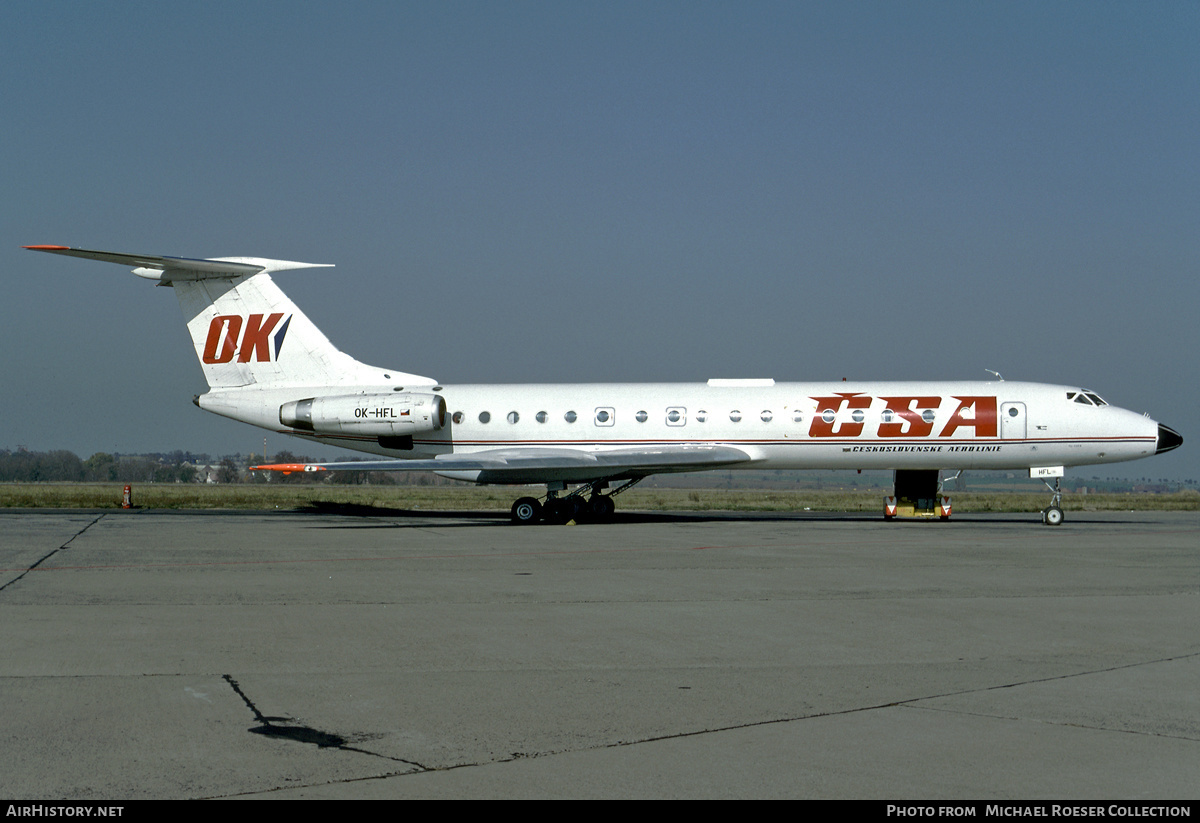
x,y
24,466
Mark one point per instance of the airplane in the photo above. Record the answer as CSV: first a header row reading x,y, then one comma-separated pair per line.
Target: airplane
x,y
268,365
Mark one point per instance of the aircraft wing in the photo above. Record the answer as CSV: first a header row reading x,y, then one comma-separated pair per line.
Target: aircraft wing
x,y
517,465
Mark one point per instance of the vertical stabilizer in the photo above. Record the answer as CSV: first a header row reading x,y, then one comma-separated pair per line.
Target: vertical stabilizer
x,y
246,331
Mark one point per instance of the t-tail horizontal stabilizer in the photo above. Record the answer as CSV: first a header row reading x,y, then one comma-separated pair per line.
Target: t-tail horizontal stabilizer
x,y
167,269
245,330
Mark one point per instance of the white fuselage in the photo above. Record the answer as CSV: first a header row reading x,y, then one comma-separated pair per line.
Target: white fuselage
x,y
843,425
267,364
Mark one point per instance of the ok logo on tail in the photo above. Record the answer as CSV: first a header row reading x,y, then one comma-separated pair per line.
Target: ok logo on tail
x,y
227,338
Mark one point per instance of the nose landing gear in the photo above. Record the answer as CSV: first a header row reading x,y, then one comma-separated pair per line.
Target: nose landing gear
x,y
1052,515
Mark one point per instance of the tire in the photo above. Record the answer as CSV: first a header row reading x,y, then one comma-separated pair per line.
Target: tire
x,y
601,507
1053,516
526,510
576,508
555,512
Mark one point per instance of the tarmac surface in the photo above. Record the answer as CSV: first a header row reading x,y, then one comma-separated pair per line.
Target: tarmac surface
x,y
157,654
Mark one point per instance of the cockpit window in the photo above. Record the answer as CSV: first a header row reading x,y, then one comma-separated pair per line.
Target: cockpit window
x,y
1086,398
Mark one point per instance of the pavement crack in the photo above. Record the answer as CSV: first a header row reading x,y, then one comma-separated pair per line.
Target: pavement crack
x,y
233,684
1044,722
286,728
50,554
908,703
912,704
1030,682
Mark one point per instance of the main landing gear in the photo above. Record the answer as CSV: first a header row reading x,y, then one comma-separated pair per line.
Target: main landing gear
x,y
592,508
1052,515
917,493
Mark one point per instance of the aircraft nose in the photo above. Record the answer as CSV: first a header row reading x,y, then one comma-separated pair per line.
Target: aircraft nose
x,y
1168,439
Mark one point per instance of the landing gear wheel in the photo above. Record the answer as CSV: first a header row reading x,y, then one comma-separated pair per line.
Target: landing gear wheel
x,y
562,510
1052,515
576,507
601,507
526,510
555,512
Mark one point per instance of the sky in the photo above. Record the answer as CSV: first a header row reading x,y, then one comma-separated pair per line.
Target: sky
x,y
594,192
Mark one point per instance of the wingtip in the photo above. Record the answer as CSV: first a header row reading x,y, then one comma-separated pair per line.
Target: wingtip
x,y
47,248
288,468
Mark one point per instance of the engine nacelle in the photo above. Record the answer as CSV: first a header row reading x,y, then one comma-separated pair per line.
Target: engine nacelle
x,y
379,415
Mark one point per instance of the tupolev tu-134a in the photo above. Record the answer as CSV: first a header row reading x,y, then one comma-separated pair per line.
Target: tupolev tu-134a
x,y
267,365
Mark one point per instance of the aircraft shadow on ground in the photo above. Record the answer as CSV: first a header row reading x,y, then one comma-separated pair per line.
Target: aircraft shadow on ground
x,y
357,514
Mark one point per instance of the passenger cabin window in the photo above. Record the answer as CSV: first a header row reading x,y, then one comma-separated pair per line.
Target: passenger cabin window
x,y
766,416
641,417
457,417
735,416
513,417
485,417
541,417
676,415
701,416
605,416
570,417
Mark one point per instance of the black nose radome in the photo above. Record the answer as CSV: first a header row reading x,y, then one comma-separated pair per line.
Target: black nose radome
x,y
1167,439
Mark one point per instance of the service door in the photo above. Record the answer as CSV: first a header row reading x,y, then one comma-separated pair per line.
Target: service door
x,y
1012,421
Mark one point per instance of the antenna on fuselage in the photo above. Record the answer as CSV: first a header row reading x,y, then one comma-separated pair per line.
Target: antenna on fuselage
x,y
999,376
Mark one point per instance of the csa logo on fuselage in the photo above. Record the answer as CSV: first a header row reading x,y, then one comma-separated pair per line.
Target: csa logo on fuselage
x,y
900,418
232,335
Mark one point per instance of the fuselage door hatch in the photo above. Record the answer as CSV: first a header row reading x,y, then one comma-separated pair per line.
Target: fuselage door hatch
x,y
1012,421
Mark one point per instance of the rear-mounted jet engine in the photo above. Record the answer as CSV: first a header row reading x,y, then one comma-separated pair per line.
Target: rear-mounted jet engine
x,y
379,415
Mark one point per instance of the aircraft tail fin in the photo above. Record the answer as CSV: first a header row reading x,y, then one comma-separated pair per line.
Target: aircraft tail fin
x,y
246,331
